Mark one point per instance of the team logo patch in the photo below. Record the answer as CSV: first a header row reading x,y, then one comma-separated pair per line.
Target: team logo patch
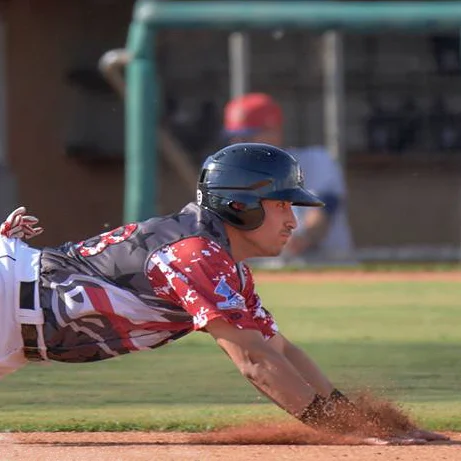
x,y
233,300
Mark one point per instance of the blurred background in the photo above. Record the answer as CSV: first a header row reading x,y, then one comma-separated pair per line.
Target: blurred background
x,y
62,125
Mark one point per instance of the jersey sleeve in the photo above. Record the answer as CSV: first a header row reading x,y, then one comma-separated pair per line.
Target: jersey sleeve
x,y
200,276
261,316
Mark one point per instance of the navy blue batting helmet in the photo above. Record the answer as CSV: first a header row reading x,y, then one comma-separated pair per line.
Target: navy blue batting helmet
x,y
234,180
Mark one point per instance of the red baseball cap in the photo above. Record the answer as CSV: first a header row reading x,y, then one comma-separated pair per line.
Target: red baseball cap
x,y
251,113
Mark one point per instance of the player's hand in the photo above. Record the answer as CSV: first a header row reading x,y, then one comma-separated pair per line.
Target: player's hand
x,y
19,225
409,436
427,435
392,441
414,437
338,412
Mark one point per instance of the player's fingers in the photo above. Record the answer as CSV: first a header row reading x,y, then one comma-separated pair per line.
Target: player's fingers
x,y
20,210
29,230
428,435
406,441
29,220
15,215
17,233
375,441
32,232
15,221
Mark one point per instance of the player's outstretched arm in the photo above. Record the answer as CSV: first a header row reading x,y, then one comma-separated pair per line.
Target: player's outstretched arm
x,y
20,225
271,372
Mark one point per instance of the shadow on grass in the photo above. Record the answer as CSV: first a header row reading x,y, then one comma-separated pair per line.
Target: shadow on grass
x,y
412,372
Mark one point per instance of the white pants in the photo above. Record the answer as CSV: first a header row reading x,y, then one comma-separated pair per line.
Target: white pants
x,y
18,263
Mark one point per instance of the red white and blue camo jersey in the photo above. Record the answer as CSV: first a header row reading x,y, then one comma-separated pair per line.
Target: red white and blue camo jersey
x,y
143,285
199,274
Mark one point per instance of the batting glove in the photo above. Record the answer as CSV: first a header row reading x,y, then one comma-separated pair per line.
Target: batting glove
x,y
19,225
334,412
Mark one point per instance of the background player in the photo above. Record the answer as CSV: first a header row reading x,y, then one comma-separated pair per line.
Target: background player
x,y
323,234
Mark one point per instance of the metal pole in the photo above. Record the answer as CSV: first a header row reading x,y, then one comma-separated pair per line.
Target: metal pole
x,y
141,125
334,94
239,63
324,15
459,194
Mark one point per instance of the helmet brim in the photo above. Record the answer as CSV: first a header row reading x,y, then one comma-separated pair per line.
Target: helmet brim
x,y
297,196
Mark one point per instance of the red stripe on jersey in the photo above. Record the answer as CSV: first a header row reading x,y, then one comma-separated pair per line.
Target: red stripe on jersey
x,y
124,326
101,303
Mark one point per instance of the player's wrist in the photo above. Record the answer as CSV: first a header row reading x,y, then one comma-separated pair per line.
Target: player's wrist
x,y
338,396
325,410
319,410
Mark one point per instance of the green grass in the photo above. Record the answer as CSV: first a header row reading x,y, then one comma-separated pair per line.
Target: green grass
x,y
401,339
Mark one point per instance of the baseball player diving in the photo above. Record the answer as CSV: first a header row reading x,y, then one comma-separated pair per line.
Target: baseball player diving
x,y
149,283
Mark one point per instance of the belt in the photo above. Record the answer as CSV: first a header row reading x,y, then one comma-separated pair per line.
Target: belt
x,y
29,331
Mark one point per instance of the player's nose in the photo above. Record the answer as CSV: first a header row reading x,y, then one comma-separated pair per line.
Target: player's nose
x,y
292,222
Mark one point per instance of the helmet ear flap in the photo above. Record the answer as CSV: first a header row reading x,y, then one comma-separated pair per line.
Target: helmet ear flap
x,y
245,216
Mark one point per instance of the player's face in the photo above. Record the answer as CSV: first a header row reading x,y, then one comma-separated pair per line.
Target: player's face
x,y
279,222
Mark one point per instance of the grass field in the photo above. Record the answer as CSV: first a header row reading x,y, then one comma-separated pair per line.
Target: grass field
x,y
400,339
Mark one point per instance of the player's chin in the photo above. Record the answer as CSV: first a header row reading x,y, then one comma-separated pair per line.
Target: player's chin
x,y
275,251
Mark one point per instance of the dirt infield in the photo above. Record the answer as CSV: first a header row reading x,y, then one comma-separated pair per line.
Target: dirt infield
x,y
137,446
357,276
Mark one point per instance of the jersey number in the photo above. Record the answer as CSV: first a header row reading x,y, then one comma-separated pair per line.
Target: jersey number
x,y
98,244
